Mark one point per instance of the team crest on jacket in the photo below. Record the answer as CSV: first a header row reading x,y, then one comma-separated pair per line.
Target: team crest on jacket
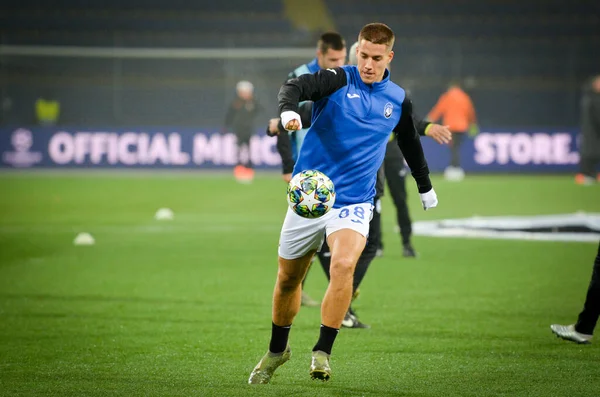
x,y
387,110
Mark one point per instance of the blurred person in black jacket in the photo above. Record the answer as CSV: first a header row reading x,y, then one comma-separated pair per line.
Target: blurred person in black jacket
x,y
590,133
240,119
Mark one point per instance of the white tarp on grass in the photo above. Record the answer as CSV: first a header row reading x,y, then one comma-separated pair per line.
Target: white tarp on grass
x,y
580,226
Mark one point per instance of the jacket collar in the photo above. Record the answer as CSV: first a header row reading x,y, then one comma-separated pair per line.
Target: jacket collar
x,y
313,66
378,86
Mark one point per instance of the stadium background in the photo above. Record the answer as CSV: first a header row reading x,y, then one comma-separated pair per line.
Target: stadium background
x,y
182,307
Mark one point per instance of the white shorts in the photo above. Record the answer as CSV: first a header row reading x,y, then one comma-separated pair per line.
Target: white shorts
x,y
300,235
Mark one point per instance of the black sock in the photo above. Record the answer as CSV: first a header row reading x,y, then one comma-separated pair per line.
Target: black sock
x,y
326,339
279,338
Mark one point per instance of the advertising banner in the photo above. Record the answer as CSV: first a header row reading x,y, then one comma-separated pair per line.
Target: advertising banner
x,y
45,147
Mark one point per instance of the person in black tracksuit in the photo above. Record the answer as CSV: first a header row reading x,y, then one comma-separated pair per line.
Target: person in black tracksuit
x,y
395,172
590,132
374,239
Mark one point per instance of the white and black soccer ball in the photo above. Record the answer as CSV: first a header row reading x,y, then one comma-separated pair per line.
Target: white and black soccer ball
x,y
311,194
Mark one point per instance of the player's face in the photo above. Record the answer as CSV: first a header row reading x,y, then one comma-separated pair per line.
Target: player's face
x,y
331,58
373,59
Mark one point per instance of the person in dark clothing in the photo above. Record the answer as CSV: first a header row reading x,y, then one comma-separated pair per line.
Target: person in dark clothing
x,y
583,330
240,119
590,133
395,172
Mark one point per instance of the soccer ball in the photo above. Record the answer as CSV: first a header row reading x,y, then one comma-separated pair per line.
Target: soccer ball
x,y
311,194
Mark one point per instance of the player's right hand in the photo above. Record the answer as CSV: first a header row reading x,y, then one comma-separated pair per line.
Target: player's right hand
x,y
291,120
429,199
287,177
440,133
473,130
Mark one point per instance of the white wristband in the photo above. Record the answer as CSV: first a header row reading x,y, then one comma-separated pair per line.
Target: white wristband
x,y
288,116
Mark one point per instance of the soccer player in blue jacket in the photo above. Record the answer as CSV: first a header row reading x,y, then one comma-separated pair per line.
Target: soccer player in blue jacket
x,y
438,132
355,108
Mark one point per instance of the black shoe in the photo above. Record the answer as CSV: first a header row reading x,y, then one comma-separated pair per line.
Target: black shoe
x,y
409,251
351,321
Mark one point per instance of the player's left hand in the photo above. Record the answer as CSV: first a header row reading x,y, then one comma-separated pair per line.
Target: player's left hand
x,y
473,130
440,133
274,127
429,199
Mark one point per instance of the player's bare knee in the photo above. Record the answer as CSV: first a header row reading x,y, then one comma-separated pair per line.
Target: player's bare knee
x,y
292,271
290,275
342,268
287,281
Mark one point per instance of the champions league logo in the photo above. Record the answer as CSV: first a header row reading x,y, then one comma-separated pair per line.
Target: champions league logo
x,y
387,110
21,140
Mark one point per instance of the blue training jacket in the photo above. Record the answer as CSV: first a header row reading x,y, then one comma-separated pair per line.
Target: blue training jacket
x,y
350,127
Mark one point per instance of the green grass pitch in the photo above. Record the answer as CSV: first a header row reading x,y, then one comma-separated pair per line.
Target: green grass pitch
x,y
182,308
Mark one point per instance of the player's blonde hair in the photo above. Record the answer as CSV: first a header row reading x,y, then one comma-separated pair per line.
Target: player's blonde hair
x,y
378,33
